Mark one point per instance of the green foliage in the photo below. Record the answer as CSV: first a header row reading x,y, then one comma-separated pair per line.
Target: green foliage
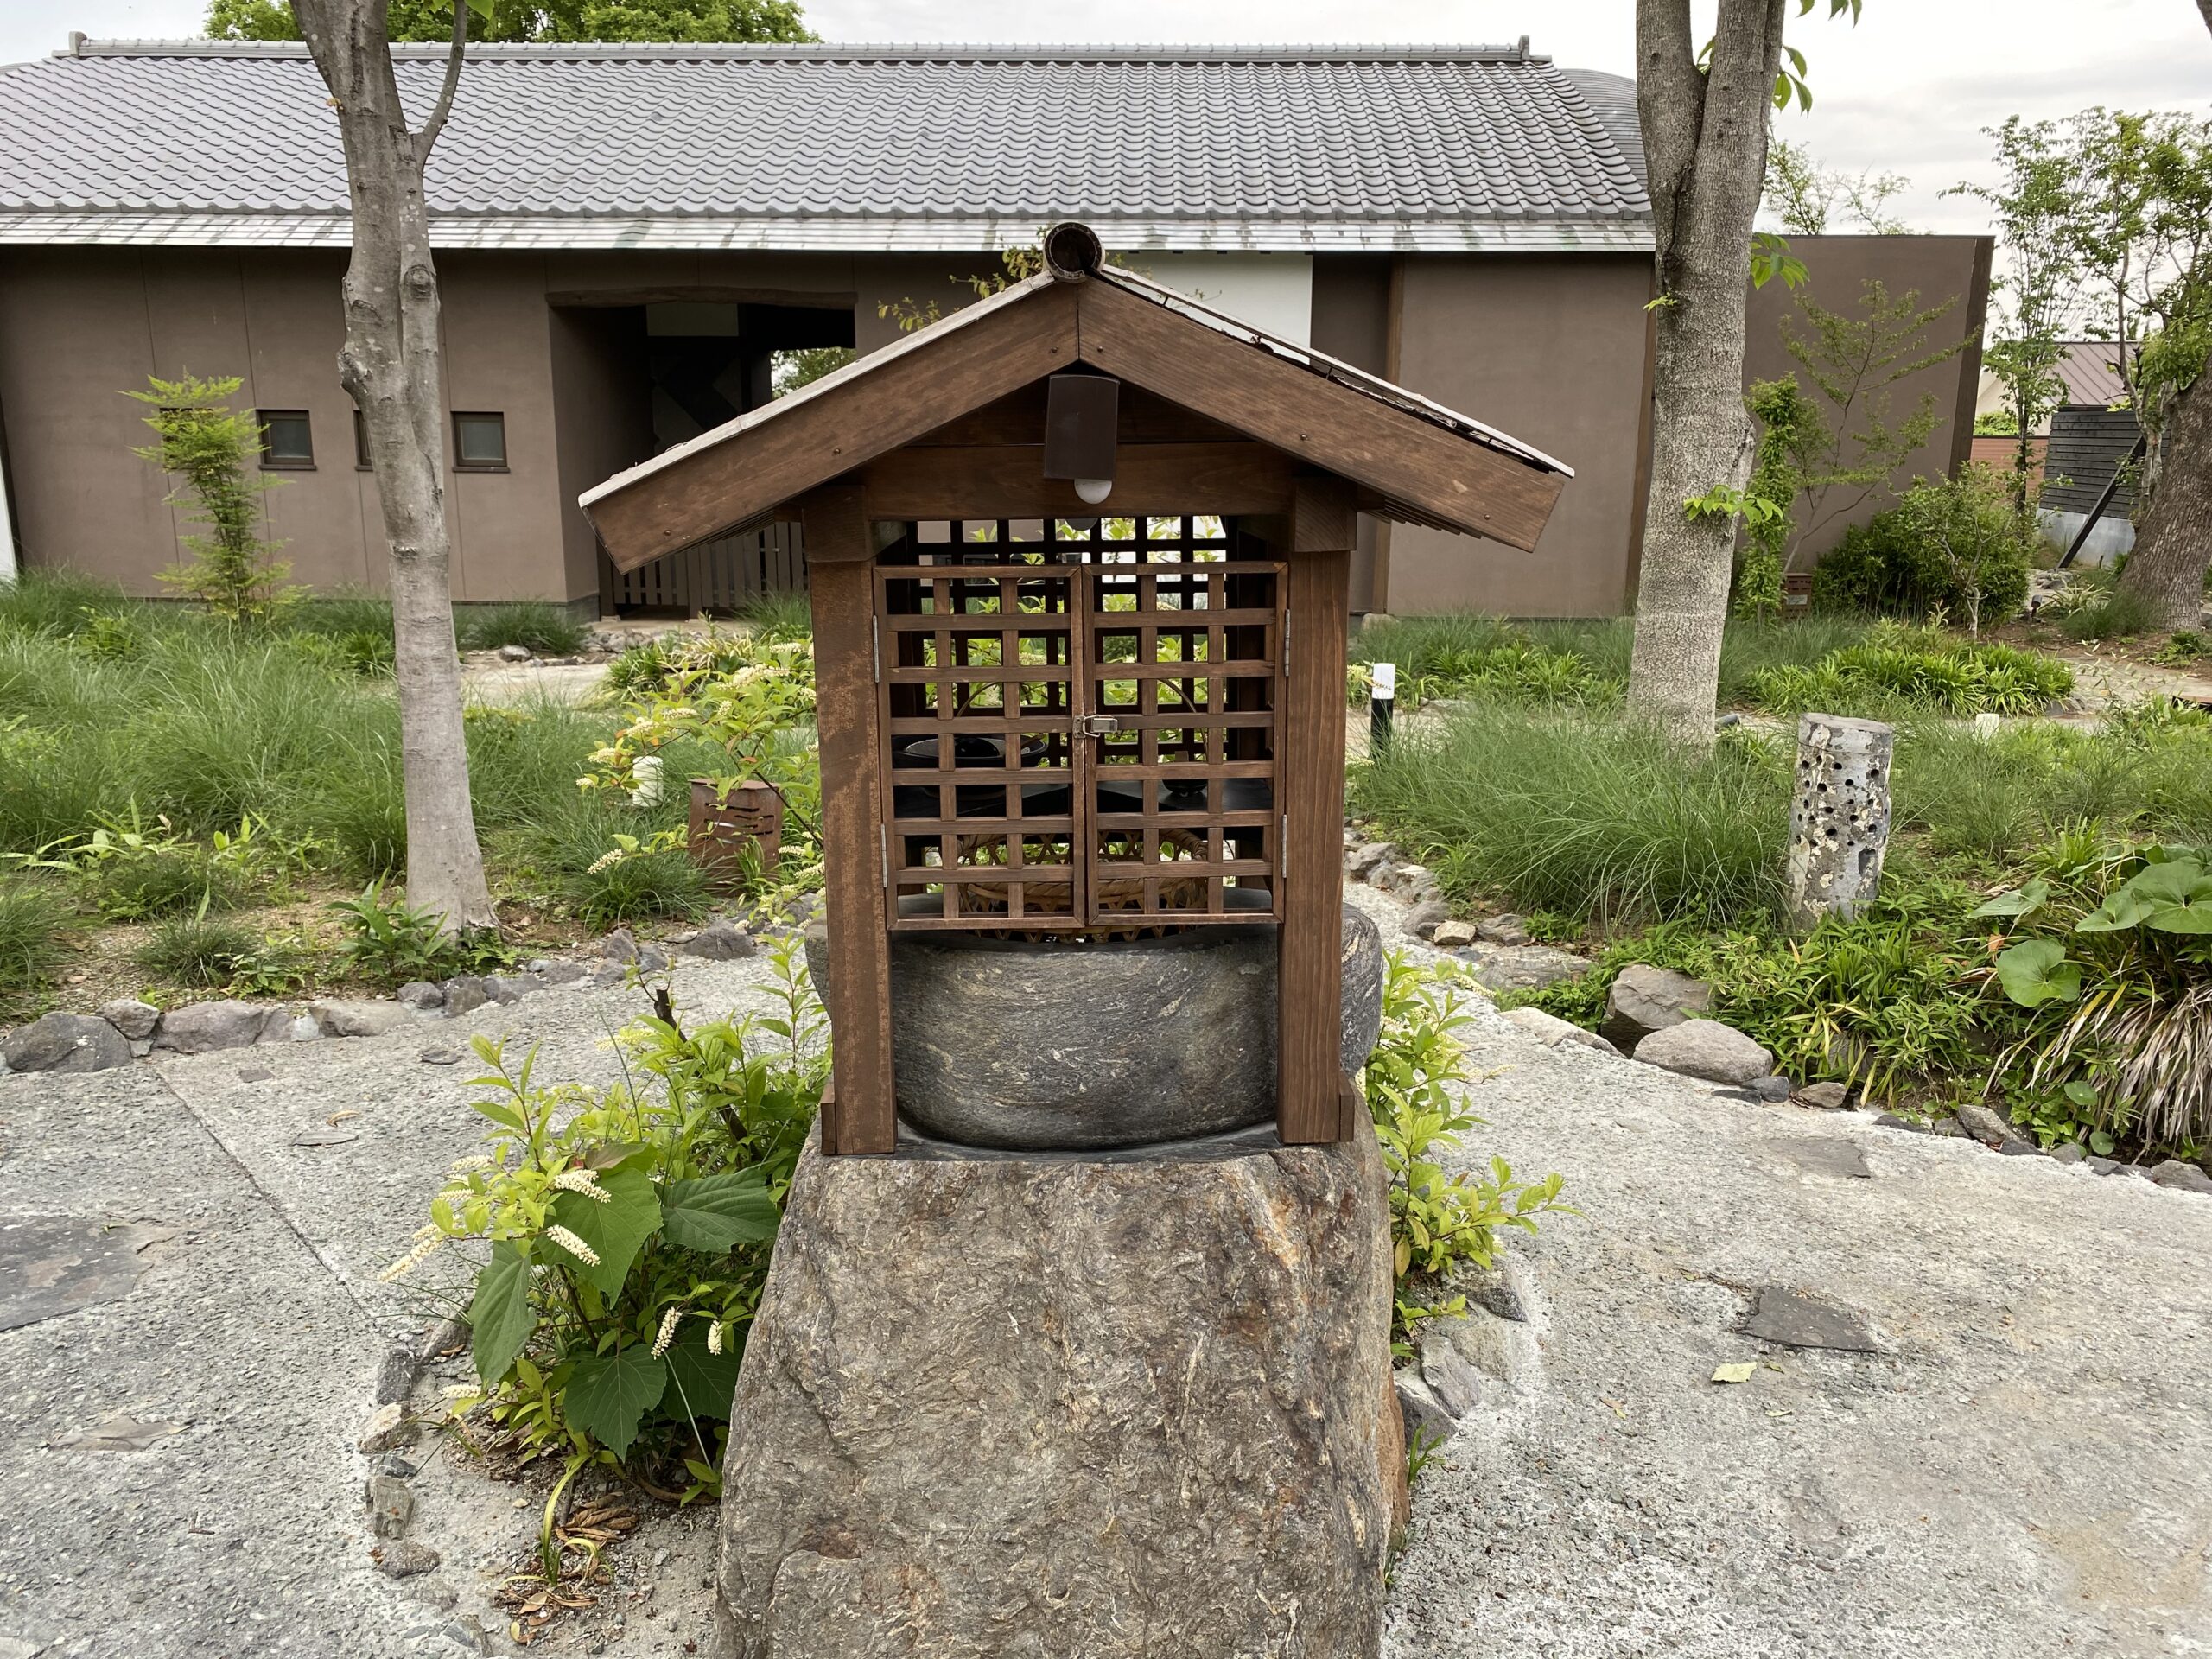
x,y
1439,1217
1972,549
2111,951
630,1232
1785,418
698,21
789,371
1592,819
232,569
1997,423
1902,669
2108,611
548,629
37,924
164,883
387,940
198,951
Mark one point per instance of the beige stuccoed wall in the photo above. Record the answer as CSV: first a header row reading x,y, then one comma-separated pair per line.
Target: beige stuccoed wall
x,y
1550,348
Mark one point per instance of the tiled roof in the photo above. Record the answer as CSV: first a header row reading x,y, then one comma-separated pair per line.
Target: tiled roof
x,y
2090,373
935,147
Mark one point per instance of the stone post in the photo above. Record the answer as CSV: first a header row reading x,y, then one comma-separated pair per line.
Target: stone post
x,y
1840,817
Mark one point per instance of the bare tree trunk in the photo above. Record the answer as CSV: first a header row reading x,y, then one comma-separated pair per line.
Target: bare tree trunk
x,y
2173,545
389,363
1705,140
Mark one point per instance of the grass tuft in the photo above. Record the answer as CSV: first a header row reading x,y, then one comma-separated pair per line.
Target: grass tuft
x,y
37,925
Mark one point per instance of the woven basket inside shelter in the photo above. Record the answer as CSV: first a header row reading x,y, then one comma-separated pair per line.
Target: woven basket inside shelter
x,y
1113,893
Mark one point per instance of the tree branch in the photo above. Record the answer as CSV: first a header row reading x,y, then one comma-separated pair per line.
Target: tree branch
x,y
1669,104
436,123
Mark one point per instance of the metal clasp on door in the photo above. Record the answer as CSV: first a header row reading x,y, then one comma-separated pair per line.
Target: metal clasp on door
x,y
1098,725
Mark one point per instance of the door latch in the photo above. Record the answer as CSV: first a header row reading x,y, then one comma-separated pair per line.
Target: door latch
x,y
1098,725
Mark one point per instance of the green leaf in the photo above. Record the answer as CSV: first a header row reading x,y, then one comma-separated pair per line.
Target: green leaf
x,y
701,1384
2082,1094
714,1213
500,1312
2019,901
608,1395
615,1229
2036,972
2101,1143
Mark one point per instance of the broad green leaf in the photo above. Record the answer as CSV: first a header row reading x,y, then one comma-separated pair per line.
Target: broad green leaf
x,y
714,1213
614,1230
2082,1094
701,1384
500,1312
608,1395
2036,972
2019,901
2124,907
2101,1143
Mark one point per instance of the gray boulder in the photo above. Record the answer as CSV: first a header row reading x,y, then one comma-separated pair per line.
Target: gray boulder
x,y
2183,1178
465,994
1449,935
1551,1031
1644,999
369,1017
620,945
134,1019
203,1027
421,993
558,972
1421,1413
1991,1129
1132,1385
1522,968
1825,1097
1452,1377
721,941
1507,929
1425,917
1362,862
65,1042
1706,1049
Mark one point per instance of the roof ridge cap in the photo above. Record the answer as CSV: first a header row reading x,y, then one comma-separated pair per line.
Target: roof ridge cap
x,y
834,51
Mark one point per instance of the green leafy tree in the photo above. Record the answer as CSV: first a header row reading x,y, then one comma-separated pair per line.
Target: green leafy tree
x,y
1802,194
1786,419
699,21
2037,204
206,446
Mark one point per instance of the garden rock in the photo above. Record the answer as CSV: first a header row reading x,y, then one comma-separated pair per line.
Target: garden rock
x,y
514,653
1796,1320
1825,1097
386,1429
1457,1384
1424,1417
722,941
367,1017
1985,1125
558,972
1507,929
2183,1178
405,1559
419,994
1201,1373
1707,1049
1776,1088
1891,1121
620,945
501,988
1551,1031
203,1027
2073,1152
1425,917
1449,935
466,994
1644,999
392,1505
1362,863
1402,878
1522,968
65,1042
134,1019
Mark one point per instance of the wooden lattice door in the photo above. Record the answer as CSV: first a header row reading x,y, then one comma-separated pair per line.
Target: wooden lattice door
x,y
1080,734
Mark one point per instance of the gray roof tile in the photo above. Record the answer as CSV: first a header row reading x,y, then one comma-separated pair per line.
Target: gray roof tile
x,y
848,146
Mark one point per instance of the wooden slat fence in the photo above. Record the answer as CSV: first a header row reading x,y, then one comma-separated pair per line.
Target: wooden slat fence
x,y
720,573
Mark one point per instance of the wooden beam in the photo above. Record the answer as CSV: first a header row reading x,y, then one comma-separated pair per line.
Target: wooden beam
x,y
1309,1106
1008,481
841,592
1019,417
1461,482
772,455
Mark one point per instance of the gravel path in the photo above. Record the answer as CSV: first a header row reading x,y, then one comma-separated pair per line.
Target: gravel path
x,y
2020,1470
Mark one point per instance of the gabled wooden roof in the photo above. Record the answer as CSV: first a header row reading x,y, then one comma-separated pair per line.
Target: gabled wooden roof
x,y
1412,460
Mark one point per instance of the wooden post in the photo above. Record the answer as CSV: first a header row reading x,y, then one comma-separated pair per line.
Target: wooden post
x,y
1310,737
842,586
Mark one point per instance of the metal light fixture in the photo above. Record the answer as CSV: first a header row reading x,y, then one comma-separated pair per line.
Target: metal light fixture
x,y
1082,420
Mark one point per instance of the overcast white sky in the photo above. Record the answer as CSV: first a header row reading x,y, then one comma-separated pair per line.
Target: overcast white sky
x,y
1906,91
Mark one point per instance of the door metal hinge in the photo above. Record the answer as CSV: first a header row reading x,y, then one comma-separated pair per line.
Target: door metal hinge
x,y
1282,850
883,831
1286,642
875,646
1098,725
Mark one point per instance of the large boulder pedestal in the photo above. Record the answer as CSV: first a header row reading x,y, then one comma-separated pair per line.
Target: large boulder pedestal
x,y
1045,1406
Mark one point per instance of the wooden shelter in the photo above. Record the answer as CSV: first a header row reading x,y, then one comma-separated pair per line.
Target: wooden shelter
x,y
1104,699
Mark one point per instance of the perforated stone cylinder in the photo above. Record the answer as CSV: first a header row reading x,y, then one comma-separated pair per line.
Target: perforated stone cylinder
x,y
1839,819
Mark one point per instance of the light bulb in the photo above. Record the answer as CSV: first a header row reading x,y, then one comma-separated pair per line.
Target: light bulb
x,y
1094,489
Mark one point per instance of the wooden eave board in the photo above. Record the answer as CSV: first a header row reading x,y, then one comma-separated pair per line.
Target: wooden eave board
x,y
969,379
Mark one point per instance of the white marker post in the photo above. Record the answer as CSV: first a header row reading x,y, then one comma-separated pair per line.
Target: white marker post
x,y
1381,700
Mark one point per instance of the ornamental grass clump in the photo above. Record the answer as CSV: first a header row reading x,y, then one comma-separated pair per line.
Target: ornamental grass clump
x,y
629,1233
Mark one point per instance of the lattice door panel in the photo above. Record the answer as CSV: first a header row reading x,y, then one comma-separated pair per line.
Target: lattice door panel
x,y
1184,684
980,667
1080,729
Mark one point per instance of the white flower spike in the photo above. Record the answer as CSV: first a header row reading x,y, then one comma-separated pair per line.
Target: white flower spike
x,y
574,1246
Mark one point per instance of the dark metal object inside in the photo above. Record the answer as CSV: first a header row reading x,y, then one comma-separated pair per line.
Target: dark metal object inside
x,y
1082,420
1072,250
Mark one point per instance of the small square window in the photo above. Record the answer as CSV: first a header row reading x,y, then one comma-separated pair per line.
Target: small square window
x,y
362,462
286,440
479,443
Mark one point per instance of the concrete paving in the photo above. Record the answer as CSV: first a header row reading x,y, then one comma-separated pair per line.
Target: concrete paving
x,y
2018,1469
2021,1470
